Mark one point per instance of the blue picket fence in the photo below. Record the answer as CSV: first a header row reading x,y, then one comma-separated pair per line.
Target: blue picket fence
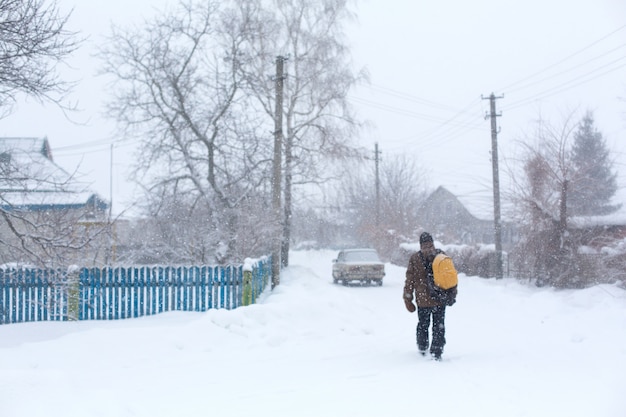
x,y
113,293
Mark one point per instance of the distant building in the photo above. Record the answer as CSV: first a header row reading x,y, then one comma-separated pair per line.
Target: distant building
x,y
54,213
31,181
462,222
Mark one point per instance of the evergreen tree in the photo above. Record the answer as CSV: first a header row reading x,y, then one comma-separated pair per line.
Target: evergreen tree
x,y
593,181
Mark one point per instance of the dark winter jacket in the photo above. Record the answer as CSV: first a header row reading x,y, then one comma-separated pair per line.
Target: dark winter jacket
x,y
416,283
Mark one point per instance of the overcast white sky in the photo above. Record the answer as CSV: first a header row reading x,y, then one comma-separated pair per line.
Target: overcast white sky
x,y
429,64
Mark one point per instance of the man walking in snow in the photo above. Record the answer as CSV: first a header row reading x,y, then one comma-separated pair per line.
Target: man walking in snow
x,y
417,276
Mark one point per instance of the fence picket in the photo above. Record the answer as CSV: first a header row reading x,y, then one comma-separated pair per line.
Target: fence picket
x,y
179,285
203,285
98,295
14,296
83,295
21,295
124,293
227,287
115,294
138,296
194,289
153,289
210,275
38,291
164,289
4,300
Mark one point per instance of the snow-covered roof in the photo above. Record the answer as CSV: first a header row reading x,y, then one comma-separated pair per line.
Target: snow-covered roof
x,y
614,219
26,145
26,165
479,203
30,179
48,200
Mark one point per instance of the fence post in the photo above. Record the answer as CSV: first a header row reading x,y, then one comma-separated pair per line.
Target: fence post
x,y
73,293
247,282
247,288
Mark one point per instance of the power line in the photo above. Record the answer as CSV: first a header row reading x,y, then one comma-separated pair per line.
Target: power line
x,y
412,98
447,128
451,127
400,111
447,131
613,32
575,82
573,69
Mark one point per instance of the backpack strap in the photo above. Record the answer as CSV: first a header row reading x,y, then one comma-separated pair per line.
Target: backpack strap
x,y
428,265
430,279
424,262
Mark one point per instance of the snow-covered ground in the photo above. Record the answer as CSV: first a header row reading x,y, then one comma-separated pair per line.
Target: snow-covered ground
x,y
312,348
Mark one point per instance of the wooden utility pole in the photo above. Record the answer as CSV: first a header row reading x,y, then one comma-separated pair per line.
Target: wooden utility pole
x,y
376,159
277,177
112,236
496,183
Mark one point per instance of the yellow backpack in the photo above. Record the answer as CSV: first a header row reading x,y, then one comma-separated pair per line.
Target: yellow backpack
x,y
444,273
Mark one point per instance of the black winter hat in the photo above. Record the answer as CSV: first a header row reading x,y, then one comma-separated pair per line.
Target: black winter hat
x,y
425,237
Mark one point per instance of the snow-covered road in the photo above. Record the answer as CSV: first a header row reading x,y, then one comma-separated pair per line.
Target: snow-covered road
x,y
311,348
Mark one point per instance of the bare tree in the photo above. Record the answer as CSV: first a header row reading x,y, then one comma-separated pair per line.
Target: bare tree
x,y
541,193
33,41
185,85
178,90
319,120
403,187
178,230
35,227
52,238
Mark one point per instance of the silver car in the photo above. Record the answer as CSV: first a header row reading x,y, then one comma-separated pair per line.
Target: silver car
x,y
362,265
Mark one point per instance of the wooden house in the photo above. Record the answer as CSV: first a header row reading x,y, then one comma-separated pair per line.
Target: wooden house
x,y
39,198
464,219
30,181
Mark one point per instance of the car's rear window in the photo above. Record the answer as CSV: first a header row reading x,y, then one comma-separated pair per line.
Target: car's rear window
x,y
361,256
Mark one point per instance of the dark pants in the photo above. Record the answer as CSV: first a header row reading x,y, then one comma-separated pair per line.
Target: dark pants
x,y
438,314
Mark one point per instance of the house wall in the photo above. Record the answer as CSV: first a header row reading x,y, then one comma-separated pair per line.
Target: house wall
x,y
65,236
